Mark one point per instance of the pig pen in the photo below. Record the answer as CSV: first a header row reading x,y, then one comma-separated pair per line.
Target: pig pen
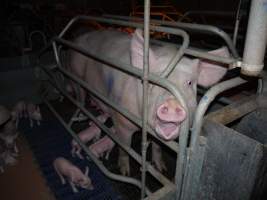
x,y
199,172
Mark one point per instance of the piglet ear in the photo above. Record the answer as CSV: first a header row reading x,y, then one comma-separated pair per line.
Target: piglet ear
x,y
137,51
86,171
211,72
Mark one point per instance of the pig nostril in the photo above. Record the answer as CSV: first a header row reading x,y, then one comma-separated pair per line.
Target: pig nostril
x,y
178,110
164,110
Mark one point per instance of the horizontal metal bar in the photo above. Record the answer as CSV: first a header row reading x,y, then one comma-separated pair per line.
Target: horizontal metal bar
x,y
200,53
188,26
91,155
178,32
114,137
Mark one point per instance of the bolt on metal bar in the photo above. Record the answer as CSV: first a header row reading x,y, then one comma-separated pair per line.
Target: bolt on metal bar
x,y
188,26
162,179
145,95
96,161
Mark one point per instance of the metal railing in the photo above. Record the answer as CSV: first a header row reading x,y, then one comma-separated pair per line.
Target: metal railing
x,y
147,78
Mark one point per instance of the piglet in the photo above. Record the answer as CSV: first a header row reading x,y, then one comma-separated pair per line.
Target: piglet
x,y
90,133
34,113
19,111
65,168
102,146
6,156
9,134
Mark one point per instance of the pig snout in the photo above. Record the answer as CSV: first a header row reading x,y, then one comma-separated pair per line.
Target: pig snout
x,y
169,117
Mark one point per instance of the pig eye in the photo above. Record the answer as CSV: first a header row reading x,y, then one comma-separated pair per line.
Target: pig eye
x,y
189,82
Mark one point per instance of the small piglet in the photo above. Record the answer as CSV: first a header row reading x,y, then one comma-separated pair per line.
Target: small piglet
x,y
19,111
102,146
6,156
74,175
9,134
90,133
34,113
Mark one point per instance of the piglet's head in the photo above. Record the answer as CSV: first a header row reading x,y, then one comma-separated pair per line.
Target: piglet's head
x,y
84,181
165,112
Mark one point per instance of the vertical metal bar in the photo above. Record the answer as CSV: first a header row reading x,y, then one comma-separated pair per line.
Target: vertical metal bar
x,y
256,39
237,21
145,93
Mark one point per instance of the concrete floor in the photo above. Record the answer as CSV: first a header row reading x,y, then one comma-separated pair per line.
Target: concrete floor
x,y
24,180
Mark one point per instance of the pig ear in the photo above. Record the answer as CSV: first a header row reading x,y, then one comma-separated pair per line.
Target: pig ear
x,y
211,72
86,171
137,50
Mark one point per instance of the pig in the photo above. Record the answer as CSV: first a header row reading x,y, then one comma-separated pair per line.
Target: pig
x,y
19,111
9,134
90,133
75,177
102,146
165,113
34,113
6,156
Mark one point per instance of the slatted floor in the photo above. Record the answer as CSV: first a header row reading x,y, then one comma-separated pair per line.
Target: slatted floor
x,y
49,141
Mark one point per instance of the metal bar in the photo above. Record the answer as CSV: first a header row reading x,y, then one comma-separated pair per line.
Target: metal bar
x,y
200,53
96,161
114,137
205,102
133,71
198,120
237,21
188,26
145,95
178,32
256,39
223,100
234,111
165,193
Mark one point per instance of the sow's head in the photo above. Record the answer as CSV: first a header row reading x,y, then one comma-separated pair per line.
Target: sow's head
x,y
165,112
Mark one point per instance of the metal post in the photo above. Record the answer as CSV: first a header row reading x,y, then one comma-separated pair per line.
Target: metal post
x,y
145,93
256,39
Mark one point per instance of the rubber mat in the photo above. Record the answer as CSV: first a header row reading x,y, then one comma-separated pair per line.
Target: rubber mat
x,y
49,141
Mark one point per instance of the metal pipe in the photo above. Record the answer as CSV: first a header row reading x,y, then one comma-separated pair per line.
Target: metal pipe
x,y
205,102
114,137
256,39
188,26
145,95
198,120
96,161
200,53
237,21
